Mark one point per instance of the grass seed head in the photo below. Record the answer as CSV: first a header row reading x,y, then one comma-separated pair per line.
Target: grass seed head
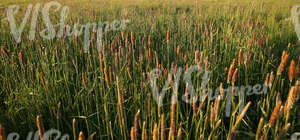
x,y
81,136
179,134
155,135
168,34
132,38
284,59
136,124
292,71
40,126
240,57
197,57
144,132
275,114
230,72
2,133
290,101
271,79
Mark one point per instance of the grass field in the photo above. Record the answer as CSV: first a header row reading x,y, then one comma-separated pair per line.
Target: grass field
x,y
109,93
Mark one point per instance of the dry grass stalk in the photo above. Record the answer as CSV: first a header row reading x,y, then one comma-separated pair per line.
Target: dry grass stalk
x,y
194,105
202,103
230,72
132,133
234,76
83,79
162,127
172,123
179,134
21,58
129,75
186,93
290,101
122,35
136,124
206,64
284,59
275,114
42,78
4,52
149,50
120,106
214,57
197,57
110,74
74,128
132,38
238,120
144,132
91,137
271,79
221,90
283,132
267,79
155,131
260,125
40,126
149,41
216,107
246,59
106,77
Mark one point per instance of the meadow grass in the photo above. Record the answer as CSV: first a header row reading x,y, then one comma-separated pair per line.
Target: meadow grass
x,y
53,84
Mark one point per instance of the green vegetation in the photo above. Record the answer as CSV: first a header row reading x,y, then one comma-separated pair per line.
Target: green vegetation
x,y
109,92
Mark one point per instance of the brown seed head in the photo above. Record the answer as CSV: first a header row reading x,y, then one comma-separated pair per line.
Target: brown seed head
x,y
240,57
83,79
292,71
136,125
155,135
178,50
230,72
234,76
81,136
179,135
271,79
197,57
144,132
290,100
168,34
2,133
40,126
275,114
283,62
